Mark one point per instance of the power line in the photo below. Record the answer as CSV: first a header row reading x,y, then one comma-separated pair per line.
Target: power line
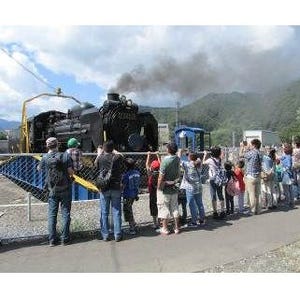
x,y
28,70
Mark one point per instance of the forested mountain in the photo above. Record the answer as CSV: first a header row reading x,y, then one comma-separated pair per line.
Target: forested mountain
x,y
223,114
7,124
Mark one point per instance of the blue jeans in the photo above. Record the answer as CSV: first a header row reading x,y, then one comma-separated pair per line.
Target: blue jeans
x,y
215,190
195,203
65,204
113,198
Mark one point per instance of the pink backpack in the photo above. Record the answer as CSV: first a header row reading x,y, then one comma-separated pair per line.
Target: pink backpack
x,y
233,187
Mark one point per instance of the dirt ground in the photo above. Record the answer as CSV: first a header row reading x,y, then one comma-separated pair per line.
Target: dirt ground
x,y
11,193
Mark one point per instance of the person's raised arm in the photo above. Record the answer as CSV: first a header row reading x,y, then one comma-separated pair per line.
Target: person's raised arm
x,y
148,161
204,159
158,156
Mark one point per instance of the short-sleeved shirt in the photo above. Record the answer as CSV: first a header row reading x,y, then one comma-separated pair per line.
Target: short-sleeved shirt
x,y
191,180
170,169
267,164
286,162
253,163
116,162
131,183
240,177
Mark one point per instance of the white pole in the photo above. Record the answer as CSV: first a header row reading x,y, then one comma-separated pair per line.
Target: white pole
x,y
29,206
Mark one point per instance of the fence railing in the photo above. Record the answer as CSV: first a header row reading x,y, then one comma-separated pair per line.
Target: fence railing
x,y
23,212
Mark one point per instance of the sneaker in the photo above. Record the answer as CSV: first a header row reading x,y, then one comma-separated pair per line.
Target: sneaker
x,y
222,215
176,231
155,226
65,242
202,222
132,231
215,215
52,243
118,239
192,225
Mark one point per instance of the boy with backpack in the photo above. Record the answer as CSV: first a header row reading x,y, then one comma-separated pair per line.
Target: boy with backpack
x,y
59,173
130,184
152,168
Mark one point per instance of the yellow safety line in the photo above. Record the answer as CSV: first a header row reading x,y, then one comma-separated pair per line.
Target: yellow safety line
x,y
85,183
78,179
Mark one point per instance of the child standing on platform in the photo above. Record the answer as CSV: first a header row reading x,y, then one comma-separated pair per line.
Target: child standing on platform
x,y
239,173
131,184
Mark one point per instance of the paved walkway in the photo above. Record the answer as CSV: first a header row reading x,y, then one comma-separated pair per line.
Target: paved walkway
x,y
219,242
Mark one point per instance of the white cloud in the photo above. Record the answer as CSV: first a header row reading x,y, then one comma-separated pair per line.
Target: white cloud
x,y
204,58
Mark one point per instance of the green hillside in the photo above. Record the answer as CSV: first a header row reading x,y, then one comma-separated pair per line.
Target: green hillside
x,y
223,114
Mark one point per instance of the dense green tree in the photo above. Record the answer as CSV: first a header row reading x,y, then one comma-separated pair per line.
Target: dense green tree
x,y
3,136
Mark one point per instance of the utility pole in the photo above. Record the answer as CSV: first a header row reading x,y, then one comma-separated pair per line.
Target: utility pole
x,y
177,113
233,139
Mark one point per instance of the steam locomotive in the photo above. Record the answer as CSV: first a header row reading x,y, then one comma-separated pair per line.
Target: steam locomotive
x,y
119,119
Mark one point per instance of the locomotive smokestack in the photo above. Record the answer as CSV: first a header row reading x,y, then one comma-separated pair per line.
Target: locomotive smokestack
x,y
113,97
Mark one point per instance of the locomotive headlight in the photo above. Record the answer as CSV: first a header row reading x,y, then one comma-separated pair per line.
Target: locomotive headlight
x,y
129,102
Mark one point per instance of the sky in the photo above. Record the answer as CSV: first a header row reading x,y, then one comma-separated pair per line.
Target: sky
x,y
155,65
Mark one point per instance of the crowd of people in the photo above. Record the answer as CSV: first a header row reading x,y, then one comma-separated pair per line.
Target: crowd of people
x,y
263,177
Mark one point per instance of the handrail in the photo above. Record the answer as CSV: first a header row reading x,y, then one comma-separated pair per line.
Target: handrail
x,y
24,134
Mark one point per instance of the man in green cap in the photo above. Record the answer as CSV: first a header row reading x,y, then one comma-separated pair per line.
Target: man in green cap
x,y
75,153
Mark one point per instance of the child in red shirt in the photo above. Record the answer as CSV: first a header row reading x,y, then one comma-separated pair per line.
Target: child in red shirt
x,y
239,172
152,167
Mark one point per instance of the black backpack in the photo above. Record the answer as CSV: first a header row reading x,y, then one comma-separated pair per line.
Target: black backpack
x,y
57,178
104,177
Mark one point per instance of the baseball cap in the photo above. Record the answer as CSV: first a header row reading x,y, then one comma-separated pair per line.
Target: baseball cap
x,y
51,142
73,142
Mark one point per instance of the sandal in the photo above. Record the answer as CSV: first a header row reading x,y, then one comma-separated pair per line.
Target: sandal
x,y
164,232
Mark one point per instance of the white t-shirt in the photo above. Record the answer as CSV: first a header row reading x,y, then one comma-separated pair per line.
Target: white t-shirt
x,y
213,164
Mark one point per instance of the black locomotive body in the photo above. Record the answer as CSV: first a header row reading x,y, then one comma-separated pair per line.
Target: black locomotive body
x,y
119,119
